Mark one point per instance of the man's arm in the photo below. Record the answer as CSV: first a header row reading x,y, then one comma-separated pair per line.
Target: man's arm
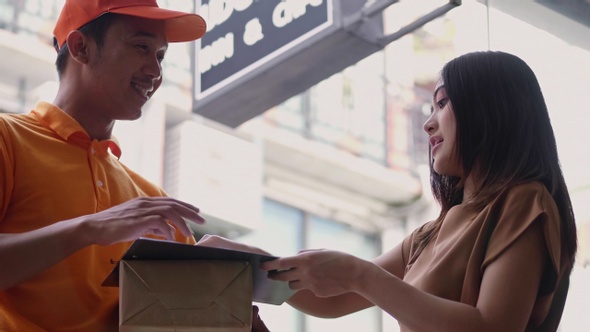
x,y
24,255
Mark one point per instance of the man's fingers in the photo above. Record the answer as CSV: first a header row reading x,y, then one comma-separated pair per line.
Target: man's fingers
x,y
181,214
182,226
157,225
190,213
167,206
177,214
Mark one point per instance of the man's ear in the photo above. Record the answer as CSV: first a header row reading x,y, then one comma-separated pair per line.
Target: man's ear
x,y
78,46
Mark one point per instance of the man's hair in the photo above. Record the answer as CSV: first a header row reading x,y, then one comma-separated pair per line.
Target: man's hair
x,y
504,135
95,29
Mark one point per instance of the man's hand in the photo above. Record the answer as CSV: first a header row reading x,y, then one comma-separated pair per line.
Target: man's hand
x,y
26,254
139,217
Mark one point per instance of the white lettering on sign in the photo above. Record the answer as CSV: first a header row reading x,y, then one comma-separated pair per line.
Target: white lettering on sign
x,y
218,11
253,32
216,53
289,10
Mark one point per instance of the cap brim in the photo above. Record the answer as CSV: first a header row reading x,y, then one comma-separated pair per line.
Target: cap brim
x,y
180,26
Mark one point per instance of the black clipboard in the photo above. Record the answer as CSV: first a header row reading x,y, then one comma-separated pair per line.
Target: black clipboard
x,y
265,290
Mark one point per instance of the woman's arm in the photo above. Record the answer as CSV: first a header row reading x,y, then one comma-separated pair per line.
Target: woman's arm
x,y
507,294
305,300
346,302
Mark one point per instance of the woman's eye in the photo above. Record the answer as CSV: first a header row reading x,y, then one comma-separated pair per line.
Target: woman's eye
x,y
142,47
442,103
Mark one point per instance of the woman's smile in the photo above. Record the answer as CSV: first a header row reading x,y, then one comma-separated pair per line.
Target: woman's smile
x,y
435,142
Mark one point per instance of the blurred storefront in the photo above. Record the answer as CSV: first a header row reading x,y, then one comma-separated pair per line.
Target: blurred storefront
x,y
341,165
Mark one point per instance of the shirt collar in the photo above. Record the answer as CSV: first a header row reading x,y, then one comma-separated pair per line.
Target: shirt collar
x,y
68,128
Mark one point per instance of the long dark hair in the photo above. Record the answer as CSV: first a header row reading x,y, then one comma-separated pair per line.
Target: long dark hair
x,y
504,134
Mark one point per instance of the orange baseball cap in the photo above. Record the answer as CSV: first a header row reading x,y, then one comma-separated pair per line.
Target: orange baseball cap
x,y
180,26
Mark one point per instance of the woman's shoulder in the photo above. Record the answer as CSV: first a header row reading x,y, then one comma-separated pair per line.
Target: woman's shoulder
x,y
525,195
524,188
515,209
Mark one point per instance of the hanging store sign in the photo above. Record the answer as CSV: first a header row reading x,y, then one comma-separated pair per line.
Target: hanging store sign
x,y
245,34
258,53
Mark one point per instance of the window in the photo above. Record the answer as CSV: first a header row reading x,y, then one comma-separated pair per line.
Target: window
x,y
346,110
286,230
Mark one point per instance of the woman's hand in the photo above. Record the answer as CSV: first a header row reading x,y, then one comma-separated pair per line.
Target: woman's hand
x,y
325,272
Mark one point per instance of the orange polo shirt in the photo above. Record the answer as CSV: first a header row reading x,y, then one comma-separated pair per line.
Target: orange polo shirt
x,y
50,170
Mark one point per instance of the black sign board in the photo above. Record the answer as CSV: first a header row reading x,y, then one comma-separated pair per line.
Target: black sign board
x,y
258,53
242,37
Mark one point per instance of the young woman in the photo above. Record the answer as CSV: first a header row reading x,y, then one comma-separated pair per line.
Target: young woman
x,y
499,255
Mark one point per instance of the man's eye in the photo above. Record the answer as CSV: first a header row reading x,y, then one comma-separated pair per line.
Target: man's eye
x,y
142,47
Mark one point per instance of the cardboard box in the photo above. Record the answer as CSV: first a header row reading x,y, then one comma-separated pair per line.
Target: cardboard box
x,y
185,295
265,290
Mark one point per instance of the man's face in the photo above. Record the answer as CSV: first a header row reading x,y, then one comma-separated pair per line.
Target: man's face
x,y
127,70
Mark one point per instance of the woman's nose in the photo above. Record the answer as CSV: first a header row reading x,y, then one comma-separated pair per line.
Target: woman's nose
x,y
429,125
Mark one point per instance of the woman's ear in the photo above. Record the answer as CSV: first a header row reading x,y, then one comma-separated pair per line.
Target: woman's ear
x,y
78,46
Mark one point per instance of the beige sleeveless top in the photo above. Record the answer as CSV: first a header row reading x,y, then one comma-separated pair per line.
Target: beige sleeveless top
x,y
453,263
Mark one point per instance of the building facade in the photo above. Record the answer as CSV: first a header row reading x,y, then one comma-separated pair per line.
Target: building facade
x,y
342,165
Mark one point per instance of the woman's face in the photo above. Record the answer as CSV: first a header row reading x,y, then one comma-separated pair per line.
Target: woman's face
x,y
441,128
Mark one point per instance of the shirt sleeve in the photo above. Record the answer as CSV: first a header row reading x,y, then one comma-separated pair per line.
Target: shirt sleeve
x,y
515,211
